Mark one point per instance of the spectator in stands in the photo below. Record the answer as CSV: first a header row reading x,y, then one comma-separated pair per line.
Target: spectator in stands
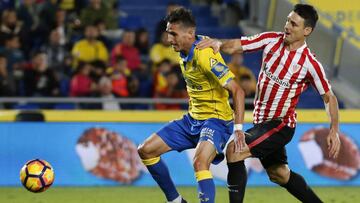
x,y
14,55
28,12
98,70
241,73
163,50
61,25
101,26
47,14
98,10
118,74
73,7
56,52
159,76
105,91
90,49
161,25
39,80
7,85
81,84
127,49
142,43
171,90
10,26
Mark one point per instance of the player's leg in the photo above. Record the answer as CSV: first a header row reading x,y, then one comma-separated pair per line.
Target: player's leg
x,y
150,152
279,173
173,136
204,155
259,140
214,134
237,175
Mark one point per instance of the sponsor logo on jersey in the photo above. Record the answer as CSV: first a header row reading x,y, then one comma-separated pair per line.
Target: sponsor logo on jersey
x,y
276,78
219,69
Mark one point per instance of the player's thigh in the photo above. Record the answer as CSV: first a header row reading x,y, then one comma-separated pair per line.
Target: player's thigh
x,y
205,153
277,157
232,156
179,134
266,138
217,132
152,147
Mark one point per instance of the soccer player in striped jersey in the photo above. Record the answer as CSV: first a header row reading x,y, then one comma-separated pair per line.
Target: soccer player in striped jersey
x,y
288,68
210,121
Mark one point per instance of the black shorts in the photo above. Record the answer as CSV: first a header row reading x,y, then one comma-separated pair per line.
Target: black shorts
x,y
267,141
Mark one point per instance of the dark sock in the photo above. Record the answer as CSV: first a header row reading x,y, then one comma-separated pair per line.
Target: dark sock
x,y
298,188
236,180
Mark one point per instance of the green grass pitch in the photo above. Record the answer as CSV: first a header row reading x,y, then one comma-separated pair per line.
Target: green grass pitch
x,y
154,195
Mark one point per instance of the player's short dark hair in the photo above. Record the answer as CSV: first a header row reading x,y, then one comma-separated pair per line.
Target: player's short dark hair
x,y
307,12
183,16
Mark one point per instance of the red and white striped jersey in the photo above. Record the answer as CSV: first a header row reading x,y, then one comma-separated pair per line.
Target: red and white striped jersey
x,y
284,75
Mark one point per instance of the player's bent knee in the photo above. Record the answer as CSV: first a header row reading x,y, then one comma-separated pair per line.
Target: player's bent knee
x,y
231,156
279,174
143,151
200,164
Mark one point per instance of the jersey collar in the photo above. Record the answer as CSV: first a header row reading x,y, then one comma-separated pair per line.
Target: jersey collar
x,y
189,57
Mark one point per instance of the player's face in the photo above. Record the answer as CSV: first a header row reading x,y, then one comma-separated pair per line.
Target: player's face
x,y
179,36
295,29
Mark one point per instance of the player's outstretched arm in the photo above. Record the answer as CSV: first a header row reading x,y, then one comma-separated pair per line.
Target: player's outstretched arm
x,y
228,46
332,109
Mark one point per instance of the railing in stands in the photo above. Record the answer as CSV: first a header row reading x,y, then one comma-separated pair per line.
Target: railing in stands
x,y
99,100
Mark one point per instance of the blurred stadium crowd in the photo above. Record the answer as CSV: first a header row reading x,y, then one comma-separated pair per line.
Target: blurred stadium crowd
x,y
110,49
68,48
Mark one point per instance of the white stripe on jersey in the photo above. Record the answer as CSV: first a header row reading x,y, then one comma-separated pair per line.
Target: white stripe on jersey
x,y
284,75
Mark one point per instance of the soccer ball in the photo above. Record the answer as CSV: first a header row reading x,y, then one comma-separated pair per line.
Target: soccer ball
x,y
37,175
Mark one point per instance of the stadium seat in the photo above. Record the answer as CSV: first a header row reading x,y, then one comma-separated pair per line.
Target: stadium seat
x,y
130,22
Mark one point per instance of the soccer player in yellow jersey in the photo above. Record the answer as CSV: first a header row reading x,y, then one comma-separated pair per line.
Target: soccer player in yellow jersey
x,y
210,121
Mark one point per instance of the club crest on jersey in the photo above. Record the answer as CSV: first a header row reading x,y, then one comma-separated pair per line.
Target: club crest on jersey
x,y
219,69
295,68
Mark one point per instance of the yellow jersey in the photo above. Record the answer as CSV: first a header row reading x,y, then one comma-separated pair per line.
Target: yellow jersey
x,y
206,74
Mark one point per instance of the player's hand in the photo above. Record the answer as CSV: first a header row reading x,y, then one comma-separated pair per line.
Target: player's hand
x,y
333,142
208,42
239,141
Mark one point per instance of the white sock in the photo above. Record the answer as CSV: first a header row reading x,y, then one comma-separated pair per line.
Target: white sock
x,y
177,200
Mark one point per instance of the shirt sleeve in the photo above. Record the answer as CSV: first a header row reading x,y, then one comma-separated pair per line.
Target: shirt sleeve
x,y
259,41
317,76
214,63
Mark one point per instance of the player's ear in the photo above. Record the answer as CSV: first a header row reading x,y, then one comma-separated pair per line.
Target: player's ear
x,y
307,31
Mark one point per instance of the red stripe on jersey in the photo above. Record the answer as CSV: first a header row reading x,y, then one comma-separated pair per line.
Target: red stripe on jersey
x,y
319,73
261,37
285,95
267,80
266,135
267,58
290,114
275,89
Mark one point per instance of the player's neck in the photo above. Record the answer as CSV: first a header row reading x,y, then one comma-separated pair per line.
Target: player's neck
x,y
188,47
295,45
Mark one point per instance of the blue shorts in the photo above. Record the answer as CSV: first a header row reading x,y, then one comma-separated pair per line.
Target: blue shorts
x,y
187,132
